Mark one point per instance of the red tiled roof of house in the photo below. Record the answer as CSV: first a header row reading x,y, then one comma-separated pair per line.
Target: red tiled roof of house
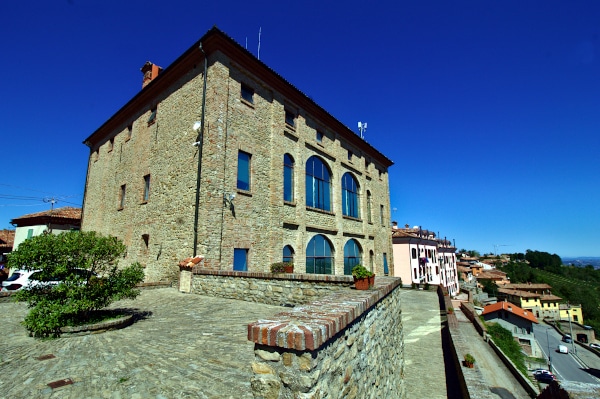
x,y
7,238
510,307
512,291
550,297
527,287
67,213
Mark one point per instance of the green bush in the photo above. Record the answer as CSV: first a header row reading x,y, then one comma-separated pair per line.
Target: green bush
x,y
505,341
86,265
279,267
359,271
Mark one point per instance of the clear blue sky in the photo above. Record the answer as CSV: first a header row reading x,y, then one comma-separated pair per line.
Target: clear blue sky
x,y
489,109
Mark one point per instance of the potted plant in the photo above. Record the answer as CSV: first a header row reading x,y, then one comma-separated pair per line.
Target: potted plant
x,y
288,267
363,278
278,267
469,360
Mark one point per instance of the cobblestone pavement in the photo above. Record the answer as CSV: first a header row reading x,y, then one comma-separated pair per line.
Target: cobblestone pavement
x,y
182,346
424,368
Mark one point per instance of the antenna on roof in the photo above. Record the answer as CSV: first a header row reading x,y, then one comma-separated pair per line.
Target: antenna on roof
x,y
362,127
246,42
259,32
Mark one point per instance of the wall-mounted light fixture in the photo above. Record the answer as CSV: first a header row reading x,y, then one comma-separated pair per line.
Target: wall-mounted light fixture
x,y
228,201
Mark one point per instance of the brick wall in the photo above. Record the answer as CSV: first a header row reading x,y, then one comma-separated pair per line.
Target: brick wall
x,y
345,345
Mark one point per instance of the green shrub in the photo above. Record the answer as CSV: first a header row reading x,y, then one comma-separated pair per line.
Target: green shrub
x,y
505,341
86,265
359,271
279,267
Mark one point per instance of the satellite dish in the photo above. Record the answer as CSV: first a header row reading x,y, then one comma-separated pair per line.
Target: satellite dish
x,y
197,126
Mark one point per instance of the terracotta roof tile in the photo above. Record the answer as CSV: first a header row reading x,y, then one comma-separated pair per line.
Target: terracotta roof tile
x,y
510,307
7,237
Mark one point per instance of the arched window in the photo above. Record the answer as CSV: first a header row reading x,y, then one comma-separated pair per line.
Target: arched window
x,y
318,184
288,178
349,196
352,255
319,257
288,254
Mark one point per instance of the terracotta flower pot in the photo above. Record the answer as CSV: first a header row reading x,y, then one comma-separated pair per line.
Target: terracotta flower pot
x,y
361,283
288,269
372,281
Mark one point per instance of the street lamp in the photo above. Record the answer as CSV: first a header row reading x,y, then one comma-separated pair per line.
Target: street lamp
x,y
549,356
571,329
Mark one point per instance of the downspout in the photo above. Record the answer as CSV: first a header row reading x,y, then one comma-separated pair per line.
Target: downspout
x,y
200,140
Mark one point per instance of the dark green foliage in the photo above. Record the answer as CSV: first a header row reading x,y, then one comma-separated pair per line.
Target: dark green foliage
x,y
279,267
576,285
489,286
505,341
86,265
359,271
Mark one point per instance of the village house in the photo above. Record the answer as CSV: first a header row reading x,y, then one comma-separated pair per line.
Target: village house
x,y
537,298
53,221
518,321
219,156
420,257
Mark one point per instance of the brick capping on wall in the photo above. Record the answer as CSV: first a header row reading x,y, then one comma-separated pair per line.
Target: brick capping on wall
x,y
310,326
314,278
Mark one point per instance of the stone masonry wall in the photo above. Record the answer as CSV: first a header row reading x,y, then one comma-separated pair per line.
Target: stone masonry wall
x,y
269,288
159,231
349,345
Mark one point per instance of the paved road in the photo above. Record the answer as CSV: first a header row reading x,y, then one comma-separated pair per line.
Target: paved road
x,y
183,346
567,367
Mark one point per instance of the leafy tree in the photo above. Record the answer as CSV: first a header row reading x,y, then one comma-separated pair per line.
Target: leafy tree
x,y
85,263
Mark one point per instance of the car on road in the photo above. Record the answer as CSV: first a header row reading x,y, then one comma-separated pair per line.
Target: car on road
x,y
547,377
23,279
567,338
562,349
595,346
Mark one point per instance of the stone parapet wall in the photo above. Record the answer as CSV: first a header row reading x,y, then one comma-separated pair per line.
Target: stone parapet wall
x,y
349,344
268,288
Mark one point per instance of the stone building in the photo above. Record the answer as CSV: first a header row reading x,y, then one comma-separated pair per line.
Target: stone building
x,y
274,175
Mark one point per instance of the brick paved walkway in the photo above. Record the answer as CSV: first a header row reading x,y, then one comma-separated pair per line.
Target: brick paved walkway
x,y
184,346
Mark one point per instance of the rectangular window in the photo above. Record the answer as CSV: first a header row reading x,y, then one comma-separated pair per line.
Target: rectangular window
x,y
385,265
290,118
414,253
243,171
29,233
111,144
129,131
240,259
247,94
152,118
319,136
122,197
146,188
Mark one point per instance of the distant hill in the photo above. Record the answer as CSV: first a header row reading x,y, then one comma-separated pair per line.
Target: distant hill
x,y
583,261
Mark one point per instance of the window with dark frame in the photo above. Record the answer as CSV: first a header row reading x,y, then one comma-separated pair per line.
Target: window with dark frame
x,y
369,207
152,117
243,171
350,206
247,94
288,178
290,118
318,184
122,196
320,136
146,188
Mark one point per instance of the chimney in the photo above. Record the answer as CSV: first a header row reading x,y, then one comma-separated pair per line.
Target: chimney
x,y
150,72
406,226
394,225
